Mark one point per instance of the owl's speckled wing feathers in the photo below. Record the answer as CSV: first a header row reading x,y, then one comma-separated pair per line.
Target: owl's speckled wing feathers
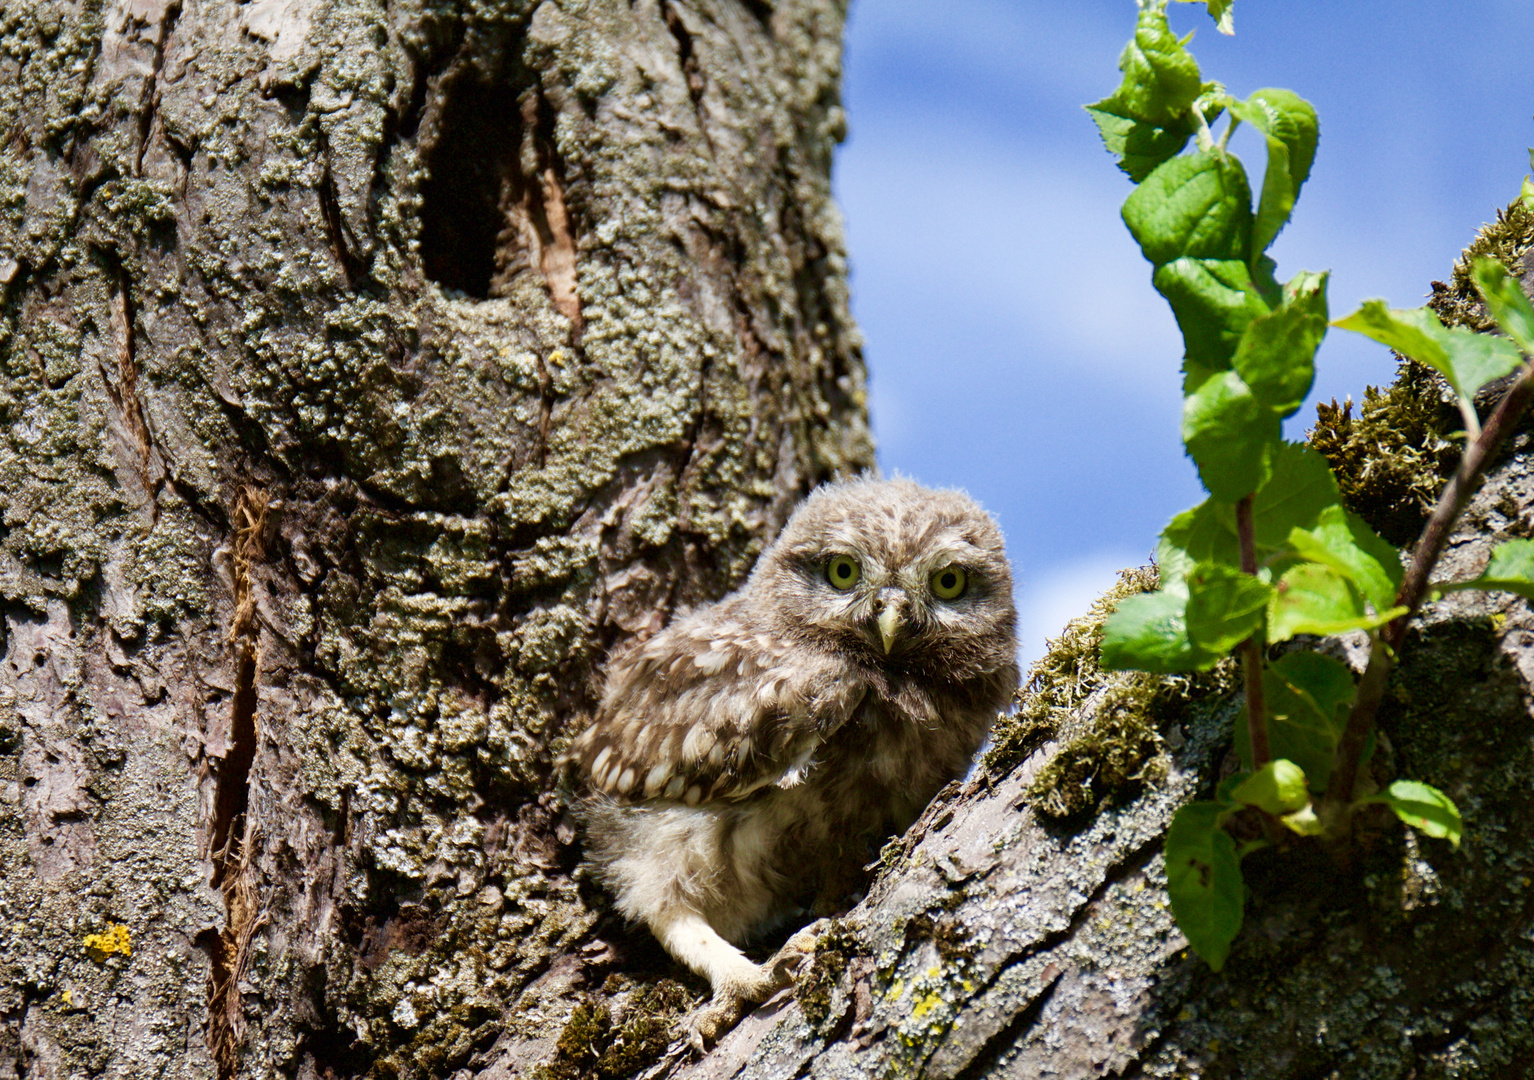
x,y
714,708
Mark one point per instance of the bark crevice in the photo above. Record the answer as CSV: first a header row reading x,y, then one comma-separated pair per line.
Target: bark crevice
x,y
233,839
149,103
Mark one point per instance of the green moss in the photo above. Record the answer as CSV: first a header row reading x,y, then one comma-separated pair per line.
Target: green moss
x,y
1508,240
586,1033
1393,451
596,1043
1392,456
1060,681
1120,746
833,951
642,1035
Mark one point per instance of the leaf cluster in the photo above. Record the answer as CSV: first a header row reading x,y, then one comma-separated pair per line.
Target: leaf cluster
x,y
1274,552
1250,346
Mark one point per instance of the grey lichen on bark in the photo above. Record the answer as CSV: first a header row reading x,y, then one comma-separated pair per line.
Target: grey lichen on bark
x,y
370,371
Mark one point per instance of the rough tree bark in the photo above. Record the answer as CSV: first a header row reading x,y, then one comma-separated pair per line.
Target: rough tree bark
x,y
370,370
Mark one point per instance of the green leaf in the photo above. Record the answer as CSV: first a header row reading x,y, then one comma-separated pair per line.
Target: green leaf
x,y
1138,145
1197,205
1276,354
1289,124
1149,632
1203,880
1314,599
1231,436
1161,78
1304,821
1510,569
1149,118
1225,606
1278,788
1214,301
1467,359
1421,806
1340,540
1506,302
1302,485
1224,15
1223,789
1207,533
1307,696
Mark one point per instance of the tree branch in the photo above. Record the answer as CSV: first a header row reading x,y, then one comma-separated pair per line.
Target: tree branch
x,y
1251,648
1414,587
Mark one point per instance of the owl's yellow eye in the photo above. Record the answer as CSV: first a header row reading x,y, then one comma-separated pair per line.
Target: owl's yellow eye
x,y
948,583
843,571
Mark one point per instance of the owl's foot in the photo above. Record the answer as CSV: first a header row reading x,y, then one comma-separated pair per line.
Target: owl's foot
x,y
796,953
715,1019
732,1001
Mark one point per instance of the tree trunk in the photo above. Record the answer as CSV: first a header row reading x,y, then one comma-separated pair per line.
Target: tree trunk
x,y
370,371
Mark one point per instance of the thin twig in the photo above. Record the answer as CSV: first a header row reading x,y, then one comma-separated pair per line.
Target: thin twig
x,y
1205,137
1251,648
1414,587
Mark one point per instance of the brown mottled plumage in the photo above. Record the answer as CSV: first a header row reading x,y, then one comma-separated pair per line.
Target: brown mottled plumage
x,y
745,759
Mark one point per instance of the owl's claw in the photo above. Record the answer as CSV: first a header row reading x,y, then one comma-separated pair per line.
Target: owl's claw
x,y
727,1006
716,1018
791,960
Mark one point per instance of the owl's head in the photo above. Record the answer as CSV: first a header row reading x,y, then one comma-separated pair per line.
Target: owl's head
x,y
903,576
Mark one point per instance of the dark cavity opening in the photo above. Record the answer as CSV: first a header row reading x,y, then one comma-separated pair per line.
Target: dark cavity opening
x,y
472,179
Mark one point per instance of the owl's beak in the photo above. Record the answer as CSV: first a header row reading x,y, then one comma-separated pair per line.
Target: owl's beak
x,y
890,604
889,627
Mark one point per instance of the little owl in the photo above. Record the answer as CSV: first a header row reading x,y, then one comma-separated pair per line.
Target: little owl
x,y
747,759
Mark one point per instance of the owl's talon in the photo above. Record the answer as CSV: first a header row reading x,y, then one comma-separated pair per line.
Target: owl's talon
x,y
789,962
715,1019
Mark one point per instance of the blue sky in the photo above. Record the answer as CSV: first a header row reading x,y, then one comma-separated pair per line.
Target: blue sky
x,y
1014,344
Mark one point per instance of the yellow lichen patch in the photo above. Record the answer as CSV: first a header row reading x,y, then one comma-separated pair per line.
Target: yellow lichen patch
x,y
926,1005
113,940
67,997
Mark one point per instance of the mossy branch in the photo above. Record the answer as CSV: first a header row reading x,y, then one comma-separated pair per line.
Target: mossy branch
x,y
1414,586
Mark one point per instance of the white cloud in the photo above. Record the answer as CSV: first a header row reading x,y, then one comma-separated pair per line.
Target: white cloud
x,y
1061,592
